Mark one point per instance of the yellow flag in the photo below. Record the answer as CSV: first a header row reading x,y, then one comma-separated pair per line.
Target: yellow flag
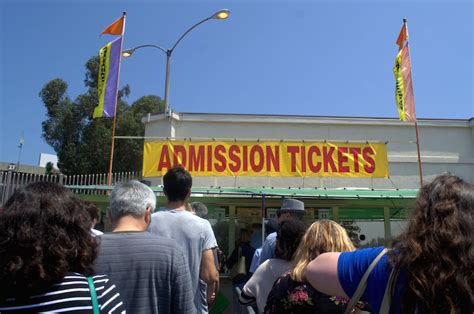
x,y
404,97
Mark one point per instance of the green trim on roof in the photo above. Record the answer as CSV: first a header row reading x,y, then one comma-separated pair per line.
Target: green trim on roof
x,y
314,193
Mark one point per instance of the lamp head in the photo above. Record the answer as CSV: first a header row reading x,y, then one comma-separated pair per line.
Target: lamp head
x,y
221,14
127,53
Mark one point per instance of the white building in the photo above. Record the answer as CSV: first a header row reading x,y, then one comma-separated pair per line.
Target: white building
x,y
45,158
377,205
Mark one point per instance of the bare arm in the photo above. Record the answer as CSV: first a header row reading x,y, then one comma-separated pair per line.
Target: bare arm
x,y
209,275
321,273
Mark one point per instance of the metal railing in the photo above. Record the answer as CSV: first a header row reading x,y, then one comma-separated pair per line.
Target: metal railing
x,y
11,180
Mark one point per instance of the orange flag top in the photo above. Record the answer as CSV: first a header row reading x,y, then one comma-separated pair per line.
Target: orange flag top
x,y
403,36
116,28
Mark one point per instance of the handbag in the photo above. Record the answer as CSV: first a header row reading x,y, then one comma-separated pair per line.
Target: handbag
x,y
386,301
238,270
95,303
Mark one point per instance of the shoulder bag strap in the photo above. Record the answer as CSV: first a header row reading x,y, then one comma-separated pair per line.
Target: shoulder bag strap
x,y
95,303
363,283
387,298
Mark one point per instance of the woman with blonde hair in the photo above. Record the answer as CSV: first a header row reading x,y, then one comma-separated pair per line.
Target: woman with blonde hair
x,y
291,293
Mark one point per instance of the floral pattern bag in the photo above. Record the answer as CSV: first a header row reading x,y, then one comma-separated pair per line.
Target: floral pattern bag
x,y
289,296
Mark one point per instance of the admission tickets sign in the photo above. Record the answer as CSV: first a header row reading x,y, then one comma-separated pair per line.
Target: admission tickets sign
x,y
262,159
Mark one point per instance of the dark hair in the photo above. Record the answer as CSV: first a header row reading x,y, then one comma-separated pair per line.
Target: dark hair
x,y
437,251
244,237
44,233
92,209
293,214
177,184
289,235
271,225
200,209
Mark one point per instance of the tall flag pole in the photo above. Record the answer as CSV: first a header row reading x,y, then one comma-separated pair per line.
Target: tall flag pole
x,y
404,96
109,74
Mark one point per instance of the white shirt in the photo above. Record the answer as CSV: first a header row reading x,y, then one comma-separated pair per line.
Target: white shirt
x,y
261,282
96,232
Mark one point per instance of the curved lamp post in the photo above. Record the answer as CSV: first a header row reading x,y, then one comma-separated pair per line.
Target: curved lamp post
x,y
219,15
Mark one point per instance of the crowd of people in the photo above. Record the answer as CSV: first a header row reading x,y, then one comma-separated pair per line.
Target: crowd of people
x,y
51,259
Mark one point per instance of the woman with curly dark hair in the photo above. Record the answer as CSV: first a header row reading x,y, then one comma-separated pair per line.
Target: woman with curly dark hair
x,y
47,253
429,269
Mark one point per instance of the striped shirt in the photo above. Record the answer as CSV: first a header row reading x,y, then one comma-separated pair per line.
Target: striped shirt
x,y
70,295
150,272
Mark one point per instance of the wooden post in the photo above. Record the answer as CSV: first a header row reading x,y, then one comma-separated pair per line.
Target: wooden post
x,y
111,158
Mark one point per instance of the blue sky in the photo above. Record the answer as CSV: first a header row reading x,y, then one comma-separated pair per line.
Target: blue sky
x,y
271,57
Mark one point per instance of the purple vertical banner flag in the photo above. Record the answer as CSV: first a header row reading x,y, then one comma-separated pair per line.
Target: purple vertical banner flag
x,y
107,86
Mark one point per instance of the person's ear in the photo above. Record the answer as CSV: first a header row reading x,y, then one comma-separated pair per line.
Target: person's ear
x,y
148,216
282,217
186,200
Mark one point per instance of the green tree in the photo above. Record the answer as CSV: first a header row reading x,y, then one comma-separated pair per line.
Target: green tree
x,y
49,169
82,143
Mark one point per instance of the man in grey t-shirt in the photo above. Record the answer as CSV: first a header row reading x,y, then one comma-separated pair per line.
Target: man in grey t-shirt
x,y
151,273
192,233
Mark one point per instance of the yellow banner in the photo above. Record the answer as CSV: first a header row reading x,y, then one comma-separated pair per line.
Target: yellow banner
x,y
262,159
399,86
104,62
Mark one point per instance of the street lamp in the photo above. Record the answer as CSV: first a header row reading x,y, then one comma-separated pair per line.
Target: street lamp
x,y
219,15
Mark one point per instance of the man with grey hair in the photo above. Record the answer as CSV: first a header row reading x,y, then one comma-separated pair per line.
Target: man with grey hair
x,y
151,272
200,209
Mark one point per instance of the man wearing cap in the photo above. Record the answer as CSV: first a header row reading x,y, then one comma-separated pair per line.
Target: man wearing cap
x,y
290,209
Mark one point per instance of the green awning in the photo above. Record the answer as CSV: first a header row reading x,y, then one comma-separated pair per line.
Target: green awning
x,y
310,192
313,193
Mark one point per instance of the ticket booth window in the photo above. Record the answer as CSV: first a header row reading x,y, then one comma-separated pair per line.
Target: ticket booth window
x,y
272,213
219,213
